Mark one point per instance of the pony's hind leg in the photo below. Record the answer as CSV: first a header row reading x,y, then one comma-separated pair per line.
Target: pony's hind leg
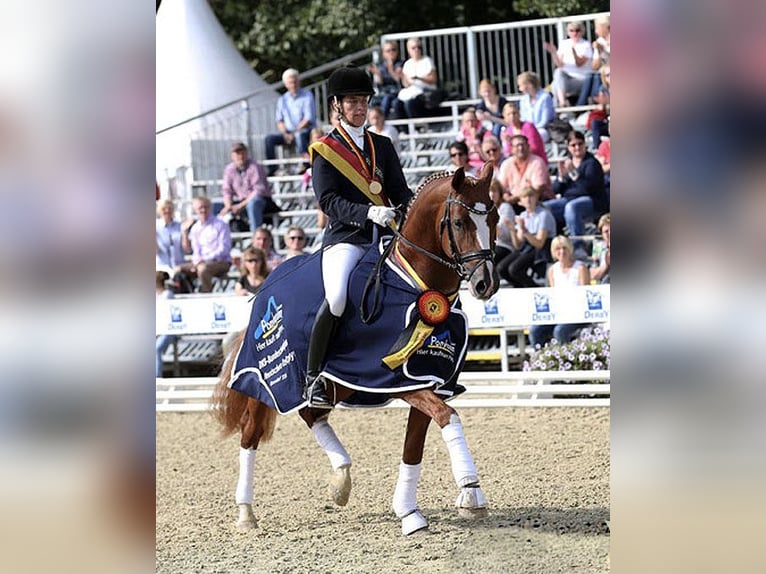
x,y
471,502
339,484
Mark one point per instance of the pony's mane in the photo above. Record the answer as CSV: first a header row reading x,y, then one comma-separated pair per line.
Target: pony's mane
x,y
434,177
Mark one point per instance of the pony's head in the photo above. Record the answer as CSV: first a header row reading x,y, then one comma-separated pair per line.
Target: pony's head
x,y
468,229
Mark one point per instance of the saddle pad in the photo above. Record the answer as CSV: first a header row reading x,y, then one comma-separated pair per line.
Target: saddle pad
x,y
271,365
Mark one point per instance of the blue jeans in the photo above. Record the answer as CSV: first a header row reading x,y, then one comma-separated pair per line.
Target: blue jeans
x,y
162,343
255,209
563,333
572,212
589,89
273,140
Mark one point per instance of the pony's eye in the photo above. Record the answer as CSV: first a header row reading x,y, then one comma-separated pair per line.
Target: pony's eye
x,y
458,224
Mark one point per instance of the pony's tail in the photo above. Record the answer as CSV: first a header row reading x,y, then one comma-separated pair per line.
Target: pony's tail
x,y
227,405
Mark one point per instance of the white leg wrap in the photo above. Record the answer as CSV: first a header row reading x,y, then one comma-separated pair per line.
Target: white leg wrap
x,y
406,491
244,494
327,439
463,468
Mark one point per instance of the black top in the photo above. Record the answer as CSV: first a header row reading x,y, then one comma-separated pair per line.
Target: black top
x,y
344,204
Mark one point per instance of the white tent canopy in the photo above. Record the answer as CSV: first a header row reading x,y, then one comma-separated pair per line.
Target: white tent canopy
x,y
198,70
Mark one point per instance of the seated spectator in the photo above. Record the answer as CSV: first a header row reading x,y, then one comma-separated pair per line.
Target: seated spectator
x,y
531,239
598,119
565,273
493,152
418,75
170,251
378,125
458,156
263,239
601,251
163,290
296,241
296,115
490,109
503,244
601,52
604,157
515,126
524,169
536,104
252,272
387,78
208,238
472,133
573,63
245,188
579,189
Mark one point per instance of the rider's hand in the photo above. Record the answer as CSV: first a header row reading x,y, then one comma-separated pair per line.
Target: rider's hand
x,y
381,215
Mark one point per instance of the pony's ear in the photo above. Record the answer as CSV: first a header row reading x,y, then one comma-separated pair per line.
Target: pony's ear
x,y
486,172
457,179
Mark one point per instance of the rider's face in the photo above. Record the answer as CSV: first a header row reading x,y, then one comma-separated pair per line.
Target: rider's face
x,y
355,109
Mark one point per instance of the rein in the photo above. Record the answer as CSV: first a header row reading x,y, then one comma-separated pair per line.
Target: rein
x,y
456,263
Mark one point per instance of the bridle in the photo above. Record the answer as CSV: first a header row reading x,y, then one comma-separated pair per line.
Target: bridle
x,y
457,259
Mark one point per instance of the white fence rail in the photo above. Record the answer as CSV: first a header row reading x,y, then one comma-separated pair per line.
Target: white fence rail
x,y
509,389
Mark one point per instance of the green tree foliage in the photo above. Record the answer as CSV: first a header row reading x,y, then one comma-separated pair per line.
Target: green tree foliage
x,y
303,34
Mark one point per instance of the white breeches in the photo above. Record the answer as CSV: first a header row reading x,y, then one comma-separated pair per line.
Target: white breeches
x,y
337,263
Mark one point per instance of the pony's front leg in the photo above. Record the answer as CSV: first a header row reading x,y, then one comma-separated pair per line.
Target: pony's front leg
x,y
405,503
471,502
339,485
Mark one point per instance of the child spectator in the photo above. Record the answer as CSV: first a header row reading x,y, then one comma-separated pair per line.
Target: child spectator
x,y
472,133
536,104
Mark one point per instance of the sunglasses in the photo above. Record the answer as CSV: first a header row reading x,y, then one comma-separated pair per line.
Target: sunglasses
x,y
301,237
253,260
456,154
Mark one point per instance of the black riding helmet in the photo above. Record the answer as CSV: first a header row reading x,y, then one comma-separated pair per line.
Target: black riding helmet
x,y
348,81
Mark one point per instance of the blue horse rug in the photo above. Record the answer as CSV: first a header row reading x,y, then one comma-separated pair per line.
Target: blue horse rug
x,y
271,364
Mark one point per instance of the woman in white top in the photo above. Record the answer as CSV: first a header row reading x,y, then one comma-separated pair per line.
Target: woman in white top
x,y
566,272
573,63
418,75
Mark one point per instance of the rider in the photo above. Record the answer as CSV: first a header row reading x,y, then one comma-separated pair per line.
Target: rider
x,y
358,180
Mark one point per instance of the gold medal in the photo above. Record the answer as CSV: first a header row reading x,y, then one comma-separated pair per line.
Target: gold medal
x,y
375,187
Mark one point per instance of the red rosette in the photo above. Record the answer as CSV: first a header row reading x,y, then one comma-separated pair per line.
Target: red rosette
x,y
433,307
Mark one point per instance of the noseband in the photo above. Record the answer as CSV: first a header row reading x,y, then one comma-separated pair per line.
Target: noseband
x,y
458,259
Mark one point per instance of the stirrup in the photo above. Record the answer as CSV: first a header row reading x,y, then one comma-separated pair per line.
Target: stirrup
x,y
315,393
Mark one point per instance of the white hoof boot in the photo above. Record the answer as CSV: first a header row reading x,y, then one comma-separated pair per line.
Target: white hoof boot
x,y
246,517
414,522
471,502
340,485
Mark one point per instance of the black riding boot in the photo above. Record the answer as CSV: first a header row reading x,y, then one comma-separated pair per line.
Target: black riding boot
x,y
321,333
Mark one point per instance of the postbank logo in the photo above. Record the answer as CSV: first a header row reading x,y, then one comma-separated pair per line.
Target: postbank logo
x,y
441,342
542,303
270,321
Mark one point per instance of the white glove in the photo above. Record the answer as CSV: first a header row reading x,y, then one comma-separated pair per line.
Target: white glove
x,y
381,215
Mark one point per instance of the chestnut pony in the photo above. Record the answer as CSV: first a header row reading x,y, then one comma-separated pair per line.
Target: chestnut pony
x,y
448,237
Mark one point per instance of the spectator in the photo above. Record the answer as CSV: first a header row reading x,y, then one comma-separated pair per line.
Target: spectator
x,y
579,189
573,63
245,187
490,109
604,157
524,169
503,244
515,126
491,151
601,52
387,78
208,238
601,251
316,135
565,273
170,251
536,104
472,132
598,119
296,115
377,125
458,155
162,280
296,241
531,241
252,272
351,210
418,75
263,239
